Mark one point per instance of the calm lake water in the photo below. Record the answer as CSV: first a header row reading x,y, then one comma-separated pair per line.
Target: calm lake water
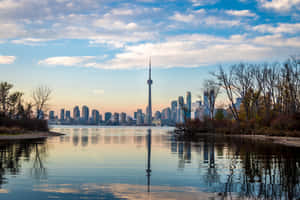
x,y
135,163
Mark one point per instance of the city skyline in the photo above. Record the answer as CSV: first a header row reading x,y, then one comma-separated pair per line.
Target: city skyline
x,y
96,53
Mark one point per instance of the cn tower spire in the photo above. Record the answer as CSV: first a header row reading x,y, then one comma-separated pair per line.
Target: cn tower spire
x,y
149,96
150,68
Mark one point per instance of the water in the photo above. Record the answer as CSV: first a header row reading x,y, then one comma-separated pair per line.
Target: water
x,y
112,163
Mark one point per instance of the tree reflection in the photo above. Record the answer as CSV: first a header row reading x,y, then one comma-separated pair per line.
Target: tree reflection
x,y
12,156
244,168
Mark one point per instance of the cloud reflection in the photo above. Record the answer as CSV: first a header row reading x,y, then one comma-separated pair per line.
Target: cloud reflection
x,y
129,191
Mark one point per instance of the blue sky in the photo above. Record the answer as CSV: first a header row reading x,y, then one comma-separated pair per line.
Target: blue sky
x,y
96,52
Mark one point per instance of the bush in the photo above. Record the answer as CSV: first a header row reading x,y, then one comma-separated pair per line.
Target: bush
x,y
286,122
26,124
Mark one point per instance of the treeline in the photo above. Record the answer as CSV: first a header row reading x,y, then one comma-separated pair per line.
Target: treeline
x,y
16,115
270,95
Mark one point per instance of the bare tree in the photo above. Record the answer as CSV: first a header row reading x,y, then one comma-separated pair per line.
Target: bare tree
x,y
226,82
41,96
4,94
211,89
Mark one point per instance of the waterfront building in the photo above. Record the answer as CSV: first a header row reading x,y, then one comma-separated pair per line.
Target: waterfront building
x,y
85,114
76,113
206,103
134,115
188,105
166,114
238,103
139,117
180,112
95,116
51,115
123,118
62,114
174,111
68,115
40,114
116,118
107,117
157,115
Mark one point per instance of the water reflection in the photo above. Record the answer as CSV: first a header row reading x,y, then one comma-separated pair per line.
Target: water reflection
x,y
13,155
137,163
148,170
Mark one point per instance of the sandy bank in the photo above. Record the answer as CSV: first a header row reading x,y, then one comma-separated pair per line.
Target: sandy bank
x,y
288,141
30,135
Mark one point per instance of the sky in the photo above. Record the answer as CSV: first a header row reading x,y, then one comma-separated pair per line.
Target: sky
x,y
96,53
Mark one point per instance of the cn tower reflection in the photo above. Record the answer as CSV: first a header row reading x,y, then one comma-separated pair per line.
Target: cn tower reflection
x,y
148,170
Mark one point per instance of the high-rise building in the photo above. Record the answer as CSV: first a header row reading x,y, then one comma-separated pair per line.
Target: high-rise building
x,y
188,105
107,116
95,116
116,118
174,111
149,110
51,115
238,103
135,115
139,117
206,103
68,115
85,114
157,115
180,112
62,114
166,114
40,114
123,118
76,113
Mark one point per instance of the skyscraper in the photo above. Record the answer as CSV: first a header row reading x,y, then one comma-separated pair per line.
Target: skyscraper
x,y
180,109
62,114
188,105
174,111
116,118
85,114
149,114
206,103
51,115
95,116
139,117
107,117
68,115
76,113
123,118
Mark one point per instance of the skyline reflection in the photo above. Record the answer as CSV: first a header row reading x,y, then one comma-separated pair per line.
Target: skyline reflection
x,y
129,163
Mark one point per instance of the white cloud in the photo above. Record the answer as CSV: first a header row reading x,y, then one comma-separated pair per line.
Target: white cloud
x,y
183,18
194,50
29,41
280,28
121,11
98,91
240,13
279,5
7,59
202,2
66,61
219,22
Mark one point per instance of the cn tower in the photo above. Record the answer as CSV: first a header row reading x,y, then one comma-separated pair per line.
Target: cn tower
x,y
149,96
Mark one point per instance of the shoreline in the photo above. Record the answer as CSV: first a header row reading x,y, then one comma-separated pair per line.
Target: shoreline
x,y
287,141
30,135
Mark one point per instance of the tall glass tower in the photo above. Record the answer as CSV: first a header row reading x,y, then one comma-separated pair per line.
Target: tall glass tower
x,y
149,116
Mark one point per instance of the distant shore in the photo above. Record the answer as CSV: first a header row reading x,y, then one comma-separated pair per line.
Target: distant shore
x,y
283,140
29,135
